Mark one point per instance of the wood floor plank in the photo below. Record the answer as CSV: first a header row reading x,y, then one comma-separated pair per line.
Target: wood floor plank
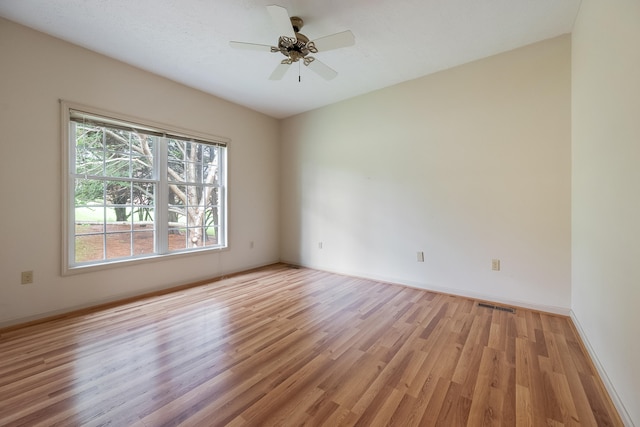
x,y
294,346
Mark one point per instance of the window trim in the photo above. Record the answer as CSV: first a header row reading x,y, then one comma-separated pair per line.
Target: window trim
x,y
67,109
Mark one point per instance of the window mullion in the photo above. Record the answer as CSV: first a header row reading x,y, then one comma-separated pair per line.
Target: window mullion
x,y
70,194
222,197
162,196
104,197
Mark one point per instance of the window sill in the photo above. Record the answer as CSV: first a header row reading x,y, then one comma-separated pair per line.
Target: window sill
x,y
128,262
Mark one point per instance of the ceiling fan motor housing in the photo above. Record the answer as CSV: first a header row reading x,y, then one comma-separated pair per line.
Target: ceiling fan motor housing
x,y
296,23
300,47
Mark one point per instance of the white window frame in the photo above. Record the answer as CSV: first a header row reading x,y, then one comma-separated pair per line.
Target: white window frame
x,y
69,266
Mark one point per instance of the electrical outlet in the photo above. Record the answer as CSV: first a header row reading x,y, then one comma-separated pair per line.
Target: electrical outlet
x,y
319,245
495,264
27,277
420,256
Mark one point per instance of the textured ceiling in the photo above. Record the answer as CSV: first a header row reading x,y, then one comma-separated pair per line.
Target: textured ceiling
x,y
187,40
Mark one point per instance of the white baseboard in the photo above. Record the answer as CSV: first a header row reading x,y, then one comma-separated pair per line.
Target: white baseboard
x,y
622,411
563,311
11,322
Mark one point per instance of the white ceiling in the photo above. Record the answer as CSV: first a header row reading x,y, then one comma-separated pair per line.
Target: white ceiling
x,y
187,40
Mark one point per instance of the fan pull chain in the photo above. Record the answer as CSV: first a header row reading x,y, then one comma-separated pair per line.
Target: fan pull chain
x,y
299,79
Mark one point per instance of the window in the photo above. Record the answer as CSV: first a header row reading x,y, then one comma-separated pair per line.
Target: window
x,y
139,190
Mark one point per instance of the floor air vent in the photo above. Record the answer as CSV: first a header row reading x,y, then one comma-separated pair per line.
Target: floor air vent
x,y
497,307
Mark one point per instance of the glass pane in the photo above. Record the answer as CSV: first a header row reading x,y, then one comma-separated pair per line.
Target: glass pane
x,y
143,194
177,220
194,237
211,174
89,150
119,193
175,172
176,205
175,149
85,228
177,239
193,172
117,165
195,218
191,151
90,218
141,166
143,217
89,248
211,217
177,195
148,145
88,191
211,169
193,163
118,245
211,236
192,196
208,153
213,196
119,226
137,142
117,140
89,161
172,148
143,242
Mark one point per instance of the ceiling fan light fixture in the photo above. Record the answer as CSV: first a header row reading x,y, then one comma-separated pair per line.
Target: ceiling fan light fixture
x,y
294,49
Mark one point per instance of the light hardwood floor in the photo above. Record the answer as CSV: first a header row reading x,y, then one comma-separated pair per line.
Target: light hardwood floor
x,y
287,346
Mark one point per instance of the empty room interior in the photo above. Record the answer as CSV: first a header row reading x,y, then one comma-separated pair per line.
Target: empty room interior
x,y
434,222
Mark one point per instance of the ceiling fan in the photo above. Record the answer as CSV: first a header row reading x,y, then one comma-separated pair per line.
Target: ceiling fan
x,y
296,46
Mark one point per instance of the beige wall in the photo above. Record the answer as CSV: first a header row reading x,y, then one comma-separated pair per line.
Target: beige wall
x,y
606,192
466,165
35,72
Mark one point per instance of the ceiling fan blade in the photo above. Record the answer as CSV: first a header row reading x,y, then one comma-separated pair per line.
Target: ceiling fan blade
x,y
280,71
320,68
335,41
281,19
250,46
